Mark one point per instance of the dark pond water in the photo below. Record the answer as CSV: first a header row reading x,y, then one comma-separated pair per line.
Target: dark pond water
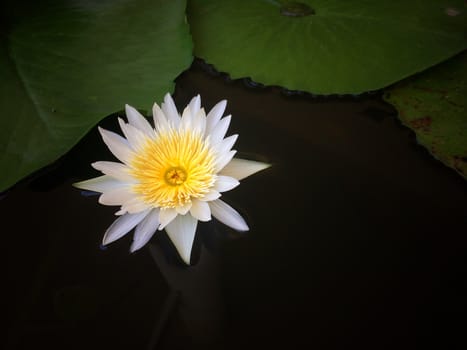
x,y
358,238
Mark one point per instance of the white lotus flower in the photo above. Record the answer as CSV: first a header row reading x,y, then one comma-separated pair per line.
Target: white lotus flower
x,y
172,175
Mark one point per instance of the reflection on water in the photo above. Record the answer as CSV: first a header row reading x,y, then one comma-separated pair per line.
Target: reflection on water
x,y
357,238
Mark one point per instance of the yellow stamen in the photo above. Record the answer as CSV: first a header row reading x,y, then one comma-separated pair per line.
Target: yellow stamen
x,y
175,176
174,168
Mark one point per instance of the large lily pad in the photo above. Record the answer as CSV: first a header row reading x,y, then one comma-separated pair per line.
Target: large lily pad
x,y
66,64
434,105
339,47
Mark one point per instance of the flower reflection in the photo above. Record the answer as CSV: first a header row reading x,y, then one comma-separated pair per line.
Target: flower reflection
x,y
172,175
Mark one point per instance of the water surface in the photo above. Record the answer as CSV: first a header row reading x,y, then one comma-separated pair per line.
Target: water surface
x,y
358,238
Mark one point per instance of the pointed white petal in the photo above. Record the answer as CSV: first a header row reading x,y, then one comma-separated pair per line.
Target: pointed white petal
x,y
116,170
117,196
228,215
181,232
160,120
145,230
193,122
135,205
170,111
195,104
200,210
138,121
215,115
166,216
117,145
184,209
242,168
225,183
219,131
99,184
186,123
136,138
210,196
223,160
225,145
199,121
122,225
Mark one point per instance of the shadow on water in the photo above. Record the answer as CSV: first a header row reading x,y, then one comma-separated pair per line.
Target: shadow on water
x,y
358,238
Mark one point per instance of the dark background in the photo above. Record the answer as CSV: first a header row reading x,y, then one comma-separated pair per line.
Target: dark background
x,y
358,238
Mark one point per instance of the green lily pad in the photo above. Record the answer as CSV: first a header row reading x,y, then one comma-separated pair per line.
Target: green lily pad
x,y
65,64
327,47
434,105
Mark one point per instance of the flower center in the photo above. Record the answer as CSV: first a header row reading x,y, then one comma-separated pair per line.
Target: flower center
x,y
173,168
175,176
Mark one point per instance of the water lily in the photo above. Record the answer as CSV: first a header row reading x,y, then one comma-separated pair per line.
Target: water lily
x,y
171,175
